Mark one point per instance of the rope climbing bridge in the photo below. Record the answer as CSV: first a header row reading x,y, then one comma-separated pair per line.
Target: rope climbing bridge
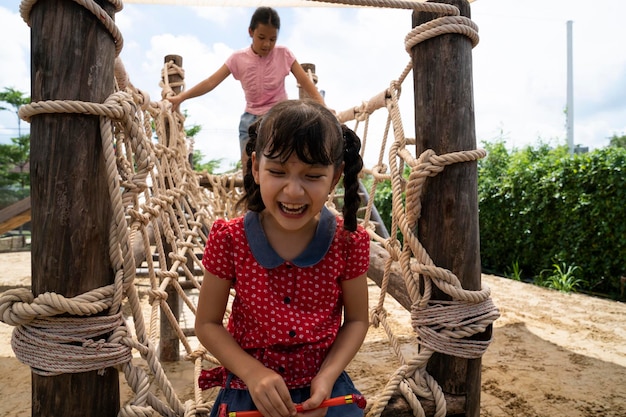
x,y
120,219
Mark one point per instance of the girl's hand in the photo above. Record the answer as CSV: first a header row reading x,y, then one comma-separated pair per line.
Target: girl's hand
x,y
175,100
320,391
270,394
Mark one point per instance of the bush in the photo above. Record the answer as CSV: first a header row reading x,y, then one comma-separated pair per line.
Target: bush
x,y
542,206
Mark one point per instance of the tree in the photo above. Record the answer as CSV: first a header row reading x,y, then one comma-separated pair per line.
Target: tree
x,y
197,156
617,141
14,157
16,99
197,164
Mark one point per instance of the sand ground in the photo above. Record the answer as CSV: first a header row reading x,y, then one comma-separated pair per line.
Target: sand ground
x,y
553,354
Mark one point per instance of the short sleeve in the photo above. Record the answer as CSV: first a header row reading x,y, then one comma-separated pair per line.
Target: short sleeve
x,y
289,57
357,253
218,258
232,63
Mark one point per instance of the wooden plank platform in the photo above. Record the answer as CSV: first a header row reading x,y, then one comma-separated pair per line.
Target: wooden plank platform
x,y
15,215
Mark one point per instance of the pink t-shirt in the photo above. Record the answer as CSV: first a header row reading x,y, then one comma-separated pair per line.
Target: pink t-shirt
x,y
286,313
262,78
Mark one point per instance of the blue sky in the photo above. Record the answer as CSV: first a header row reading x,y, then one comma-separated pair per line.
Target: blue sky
x,y
519,65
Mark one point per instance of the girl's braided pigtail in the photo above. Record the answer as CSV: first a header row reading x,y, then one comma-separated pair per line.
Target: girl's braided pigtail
x,y
252,192
352,168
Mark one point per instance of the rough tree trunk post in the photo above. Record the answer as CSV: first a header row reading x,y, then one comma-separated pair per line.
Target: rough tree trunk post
x,y
72,58
169,344
448,227
307,67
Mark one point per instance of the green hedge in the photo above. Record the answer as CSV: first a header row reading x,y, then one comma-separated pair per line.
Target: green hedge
x,y
542,206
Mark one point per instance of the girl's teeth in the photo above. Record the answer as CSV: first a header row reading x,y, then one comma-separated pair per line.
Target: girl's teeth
x,y
293,208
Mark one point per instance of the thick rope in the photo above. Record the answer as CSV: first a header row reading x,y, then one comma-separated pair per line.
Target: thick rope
x,y
70,345
108,22
456,323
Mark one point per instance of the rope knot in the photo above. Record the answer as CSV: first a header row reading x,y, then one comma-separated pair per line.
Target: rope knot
x,y
156,295
95,344
59,345
446,326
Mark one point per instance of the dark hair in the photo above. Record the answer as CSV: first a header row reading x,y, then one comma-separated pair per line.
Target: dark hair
x,y
266,16
310,130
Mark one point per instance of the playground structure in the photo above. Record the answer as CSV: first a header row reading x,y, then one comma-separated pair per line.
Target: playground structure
x,y
15,215
156,223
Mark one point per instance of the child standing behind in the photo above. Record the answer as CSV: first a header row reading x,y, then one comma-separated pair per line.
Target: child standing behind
x,y
296,268
261,68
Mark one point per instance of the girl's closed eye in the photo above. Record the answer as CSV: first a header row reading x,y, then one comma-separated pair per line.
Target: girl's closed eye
x,y
274,167
315,176
316,172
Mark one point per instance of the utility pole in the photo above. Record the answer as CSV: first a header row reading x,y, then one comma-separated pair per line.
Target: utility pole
x,y
570,90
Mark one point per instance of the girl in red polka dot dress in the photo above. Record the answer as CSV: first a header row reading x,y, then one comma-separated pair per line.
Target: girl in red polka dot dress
x,y
300,313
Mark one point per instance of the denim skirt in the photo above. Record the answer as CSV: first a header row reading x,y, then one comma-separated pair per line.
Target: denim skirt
x,y
240,399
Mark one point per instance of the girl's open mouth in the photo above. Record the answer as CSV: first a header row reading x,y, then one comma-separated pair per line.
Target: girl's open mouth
x,y
292,208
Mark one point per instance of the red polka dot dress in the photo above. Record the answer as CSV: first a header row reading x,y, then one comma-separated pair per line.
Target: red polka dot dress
x,y
285,313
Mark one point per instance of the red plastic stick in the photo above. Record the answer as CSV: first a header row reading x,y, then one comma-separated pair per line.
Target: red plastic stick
x,y
359,400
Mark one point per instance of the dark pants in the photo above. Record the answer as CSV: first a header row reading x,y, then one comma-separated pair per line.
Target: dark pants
x,y
244,123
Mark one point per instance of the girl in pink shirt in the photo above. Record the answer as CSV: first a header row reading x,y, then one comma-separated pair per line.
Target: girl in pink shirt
x,y
261,68
300,311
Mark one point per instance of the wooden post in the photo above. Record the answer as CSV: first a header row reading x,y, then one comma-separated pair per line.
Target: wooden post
x,y
72,58
169,344
307,67
175,82
448,227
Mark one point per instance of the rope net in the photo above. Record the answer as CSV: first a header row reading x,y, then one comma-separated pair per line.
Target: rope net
x,y
162,212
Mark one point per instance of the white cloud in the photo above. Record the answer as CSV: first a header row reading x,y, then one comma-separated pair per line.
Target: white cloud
x,y
14,51
521,65
15,70
223,16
